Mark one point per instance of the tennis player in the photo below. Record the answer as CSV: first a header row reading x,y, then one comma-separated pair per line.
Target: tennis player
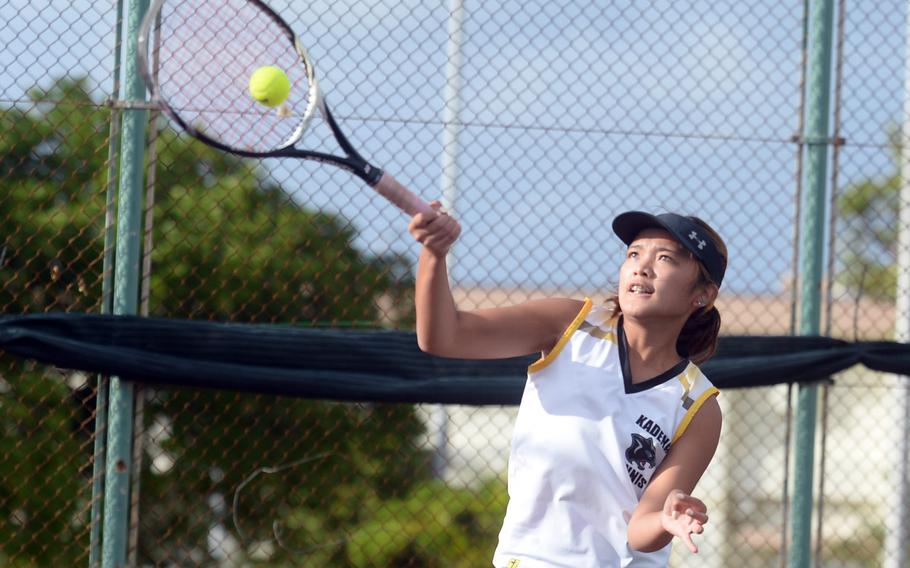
x,y
617,423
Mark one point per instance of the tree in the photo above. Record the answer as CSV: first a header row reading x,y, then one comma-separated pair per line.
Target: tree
x,y
52,211
869,210
229,245
434,526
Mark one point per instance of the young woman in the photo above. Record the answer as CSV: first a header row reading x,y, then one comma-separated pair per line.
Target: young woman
x,y
616,424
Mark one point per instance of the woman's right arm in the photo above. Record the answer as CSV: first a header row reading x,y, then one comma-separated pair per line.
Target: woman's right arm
x,y
444,330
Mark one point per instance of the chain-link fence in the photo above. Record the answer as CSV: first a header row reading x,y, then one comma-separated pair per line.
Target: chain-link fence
x,y
562,115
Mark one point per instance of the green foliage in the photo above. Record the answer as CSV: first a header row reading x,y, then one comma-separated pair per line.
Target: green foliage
x,y
435,526
869,225
46,453
230,245
302,473
52,206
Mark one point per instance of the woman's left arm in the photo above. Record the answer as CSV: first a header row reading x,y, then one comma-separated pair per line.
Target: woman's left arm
x,y
666,508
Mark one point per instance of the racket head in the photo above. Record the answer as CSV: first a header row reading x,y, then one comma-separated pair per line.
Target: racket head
x,y
196,58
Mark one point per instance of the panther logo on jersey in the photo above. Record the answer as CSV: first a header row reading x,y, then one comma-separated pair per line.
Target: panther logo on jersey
x,y
642,452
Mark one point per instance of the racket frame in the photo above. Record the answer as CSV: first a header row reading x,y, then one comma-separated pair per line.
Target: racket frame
x,y
352,162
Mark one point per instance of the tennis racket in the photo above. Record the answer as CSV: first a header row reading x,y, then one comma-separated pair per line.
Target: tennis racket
x,y
204,54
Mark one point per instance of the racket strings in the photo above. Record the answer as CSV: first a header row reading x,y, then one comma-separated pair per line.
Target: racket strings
x,y
209,49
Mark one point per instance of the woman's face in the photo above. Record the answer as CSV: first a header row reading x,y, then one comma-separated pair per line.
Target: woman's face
x,y
657,278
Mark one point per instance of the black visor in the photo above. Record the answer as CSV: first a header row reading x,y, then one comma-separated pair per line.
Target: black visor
x,y
690,235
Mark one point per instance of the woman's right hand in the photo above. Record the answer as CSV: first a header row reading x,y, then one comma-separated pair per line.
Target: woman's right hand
x,y
436,231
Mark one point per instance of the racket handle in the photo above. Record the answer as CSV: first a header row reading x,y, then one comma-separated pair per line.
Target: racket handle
x,y
388,187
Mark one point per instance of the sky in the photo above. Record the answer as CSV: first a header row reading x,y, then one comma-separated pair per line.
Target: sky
x,y
571,112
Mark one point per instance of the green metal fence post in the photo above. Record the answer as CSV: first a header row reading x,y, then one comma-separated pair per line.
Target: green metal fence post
x,y
107,290
812,239
126,292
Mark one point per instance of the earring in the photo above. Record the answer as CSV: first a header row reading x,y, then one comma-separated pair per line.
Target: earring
x,y
701,303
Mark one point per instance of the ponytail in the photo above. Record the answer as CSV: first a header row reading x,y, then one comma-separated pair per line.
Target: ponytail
x,y
698,339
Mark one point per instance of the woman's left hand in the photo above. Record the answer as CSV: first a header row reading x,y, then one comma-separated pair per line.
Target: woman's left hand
x,y
683,516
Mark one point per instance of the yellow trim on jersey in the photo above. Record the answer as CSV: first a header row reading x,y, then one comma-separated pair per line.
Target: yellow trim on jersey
x,y
566,335
712,391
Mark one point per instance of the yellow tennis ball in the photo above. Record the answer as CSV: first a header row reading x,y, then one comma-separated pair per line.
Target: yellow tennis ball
x,y
269,85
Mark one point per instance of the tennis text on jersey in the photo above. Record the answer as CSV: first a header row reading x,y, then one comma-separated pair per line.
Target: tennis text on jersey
x,y
638,478
654,429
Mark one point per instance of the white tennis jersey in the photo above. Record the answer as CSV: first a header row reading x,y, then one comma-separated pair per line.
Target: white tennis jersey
x,y
585,444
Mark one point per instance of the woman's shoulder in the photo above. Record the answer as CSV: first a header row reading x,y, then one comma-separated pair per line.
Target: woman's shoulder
x,y
603,315
697,376
558,308
572,313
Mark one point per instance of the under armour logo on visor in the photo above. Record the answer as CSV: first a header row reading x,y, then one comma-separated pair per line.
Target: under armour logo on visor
x,y
694,236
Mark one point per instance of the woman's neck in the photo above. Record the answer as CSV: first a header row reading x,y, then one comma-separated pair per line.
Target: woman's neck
x,y
652,347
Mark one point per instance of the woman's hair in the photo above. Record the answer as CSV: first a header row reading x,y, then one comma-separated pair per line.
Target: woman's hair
x,y
697,340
